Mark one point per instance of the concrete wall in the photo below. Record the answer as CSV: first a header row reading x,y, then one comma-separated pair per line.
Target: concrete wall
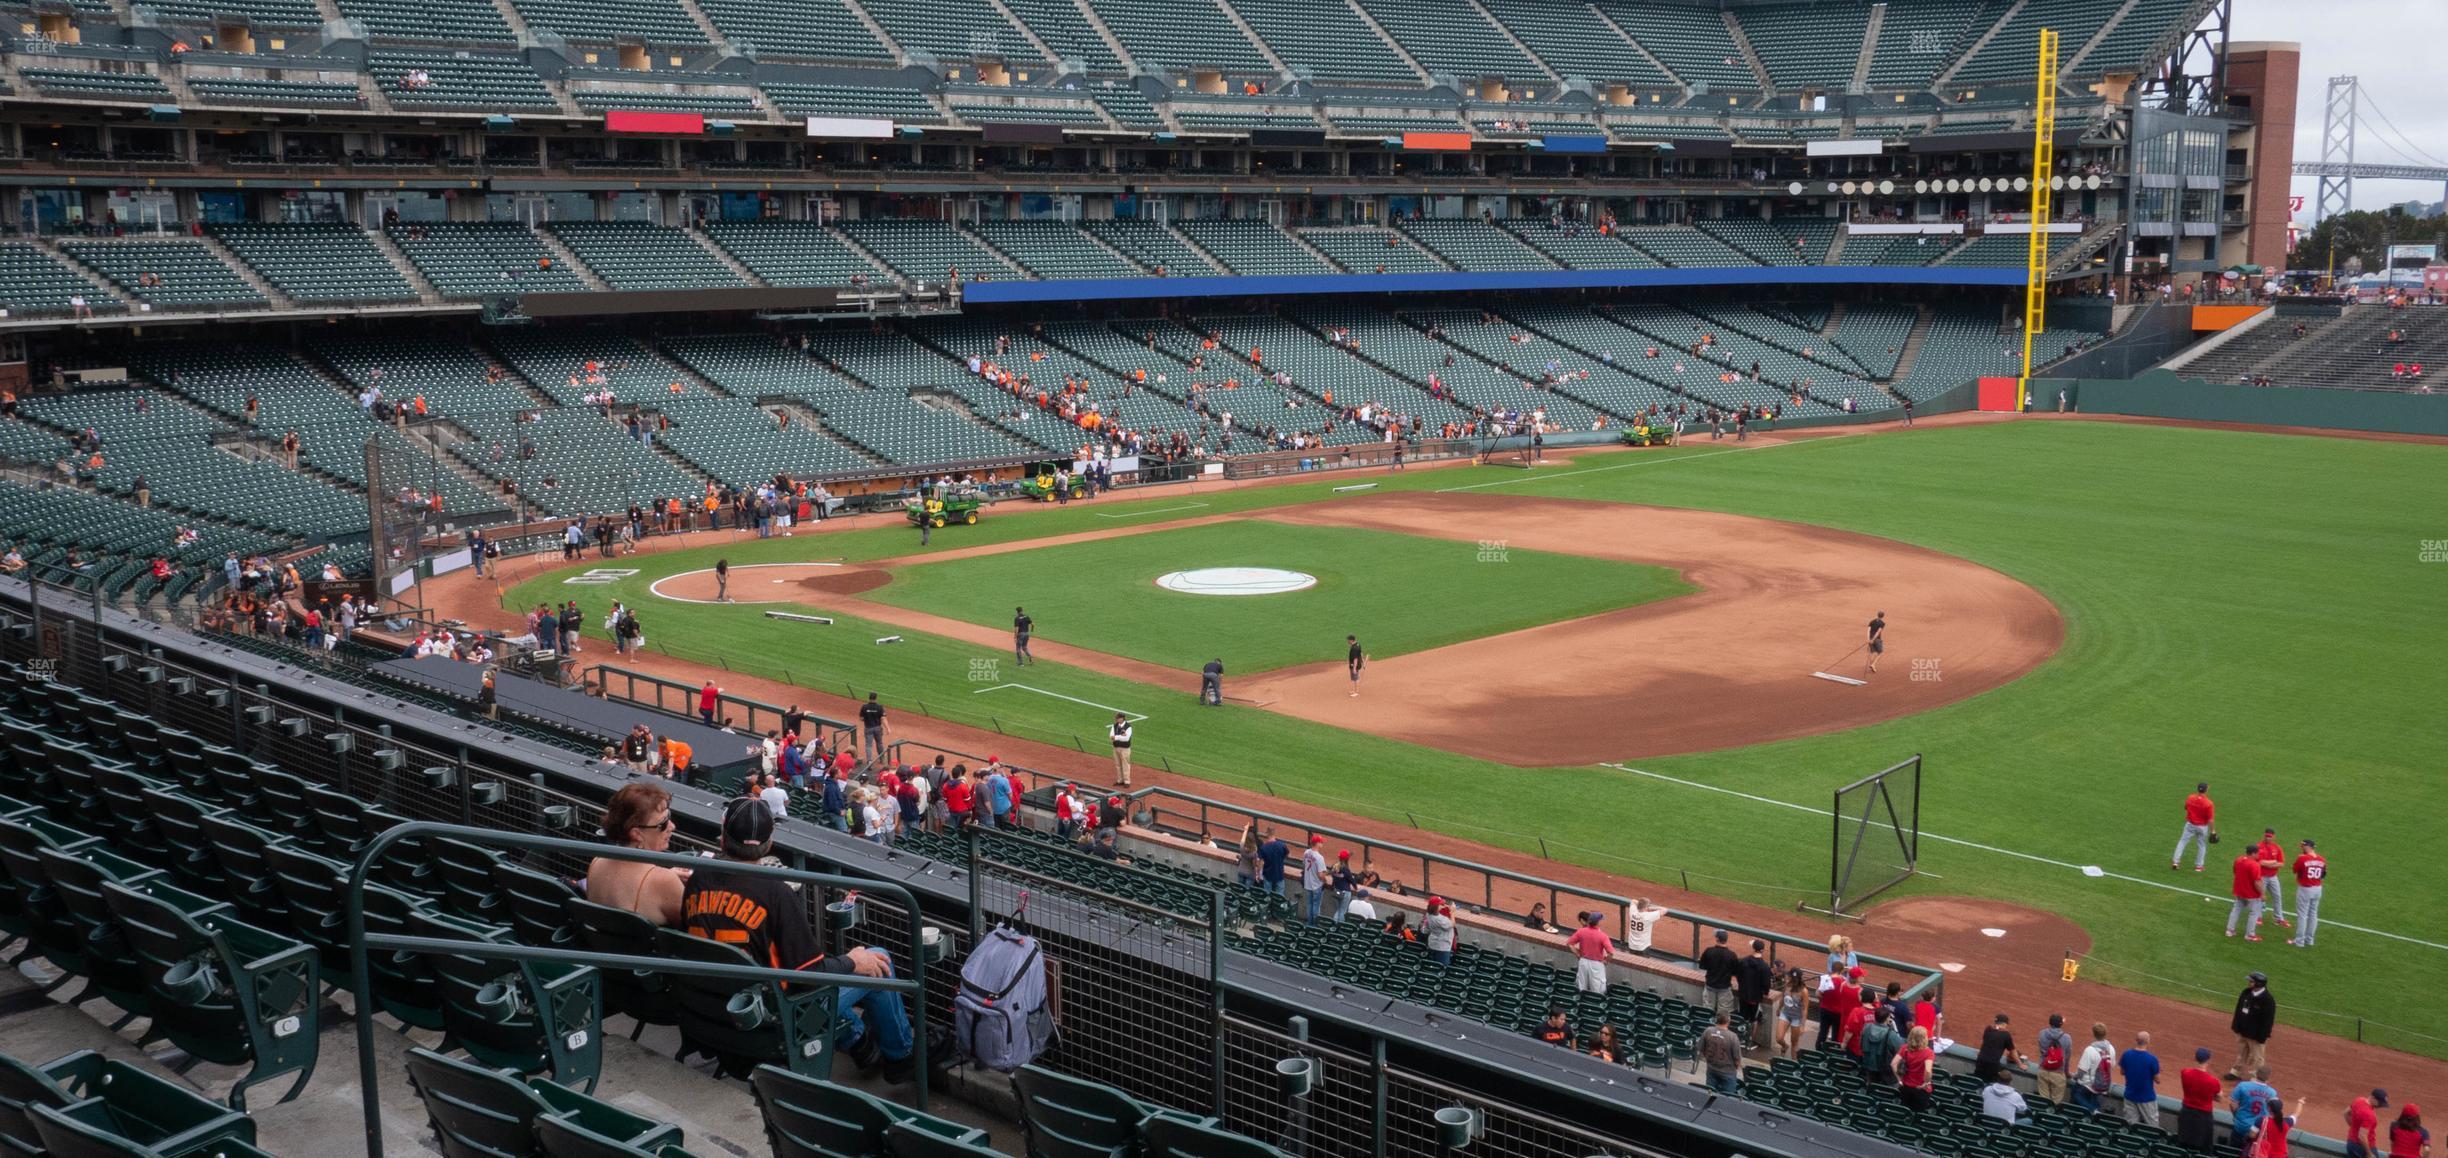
x,y
2161,394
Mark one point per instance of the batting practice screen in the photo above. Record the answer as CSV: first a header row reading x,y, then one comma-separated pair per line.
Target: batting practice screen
x,y
1877,840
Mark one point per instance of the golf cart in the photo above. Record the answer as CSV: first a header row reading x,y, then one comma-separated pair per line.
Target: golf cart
x,y
941,503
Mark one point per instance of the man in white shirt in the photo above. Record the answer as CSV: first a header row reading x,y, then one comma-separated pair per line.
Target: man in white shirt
x,y
774,795
1360,909
2000,1100
1120,733
1313,878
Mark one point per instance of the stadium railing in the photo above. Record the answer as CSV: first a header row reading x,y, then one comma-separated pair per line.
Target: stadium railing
x,y
1201,819
673,698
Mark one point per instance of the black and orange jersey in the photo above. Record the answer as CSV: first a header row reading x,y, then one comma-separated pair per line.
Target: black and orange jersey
x,y
762,916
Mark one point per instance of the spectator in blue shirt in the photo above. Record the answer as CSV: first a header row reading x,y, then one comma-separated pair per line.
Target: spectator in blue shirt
x,y
1271,858
999,796
2141,1070
2252,1101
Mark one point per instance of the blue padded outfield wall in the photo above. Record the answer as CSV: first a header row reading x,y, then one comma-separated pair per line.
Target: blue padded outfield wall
x,y
2163,394
1291,285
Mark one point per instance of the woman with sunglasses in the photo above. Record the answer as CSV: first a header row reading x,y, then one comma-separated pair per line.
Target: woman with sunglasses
x,y
638,816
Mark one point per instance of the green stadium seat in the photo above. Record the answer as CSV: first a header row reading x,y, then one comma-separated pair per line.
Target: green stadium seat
x,y
1170,1137
564,1138
114,1100
482,1113
1068,1117
528,1017
646,996
225,991
807,1117
794,1029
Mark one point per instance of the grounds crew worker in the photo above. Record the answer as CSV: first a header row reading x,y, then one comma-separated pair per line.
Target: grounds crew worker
x,y
1211,684
1121,733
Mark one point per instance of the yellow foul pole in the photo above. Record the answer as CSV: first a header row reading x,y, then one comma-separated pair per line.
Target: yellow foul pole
x,y
2044,165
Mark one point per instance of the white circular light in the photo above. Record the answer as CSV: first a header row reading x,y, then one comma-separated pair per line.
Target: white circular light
x,y
2091,182
1954,185
1794,188
1236,581
1921,186
1831,186
1886,187
1851,188
2057,183
1987,185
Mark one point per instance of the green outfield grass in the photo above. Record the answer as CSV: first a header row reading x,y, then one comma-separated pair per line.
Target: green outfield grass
x,y
2242,608
1398,593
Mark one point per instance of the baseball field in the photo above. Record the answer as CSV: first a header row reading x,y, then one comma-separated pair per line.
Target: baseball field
x,y
1609,661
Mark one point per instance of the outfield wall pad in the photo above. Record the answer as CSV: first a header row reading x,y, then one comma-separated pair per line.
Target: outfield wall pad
x,y
1104,289
2162,394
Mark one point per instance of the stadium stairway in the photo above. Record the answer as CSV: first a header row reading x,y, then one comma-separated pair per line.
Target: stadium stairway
x,y
561,254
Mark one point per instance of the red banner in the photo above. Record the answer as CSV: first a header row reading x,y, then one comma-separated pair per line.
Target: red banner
x,y
1437,142
685,124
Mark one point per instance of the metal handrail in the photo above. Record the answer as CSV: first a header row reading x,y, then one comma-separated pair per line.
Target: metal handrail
x,y
1371,845
601,676
362,944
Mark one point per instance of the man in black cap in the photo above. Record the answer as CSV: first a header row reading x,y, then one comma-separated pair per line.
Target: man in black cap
x,y
2256,1012
765,918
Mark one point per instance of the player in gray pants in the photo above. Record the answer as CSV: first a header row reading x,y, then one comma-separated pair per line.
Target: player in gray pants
x,y
2311,875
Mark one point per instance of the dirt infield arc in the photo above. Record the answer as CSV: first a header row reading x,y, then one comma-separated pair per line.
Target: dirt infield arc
x,y
1727,666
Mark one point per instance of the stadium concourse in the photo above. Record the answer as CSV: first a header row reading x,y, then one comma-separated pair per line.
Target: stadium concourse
x,y
2017,972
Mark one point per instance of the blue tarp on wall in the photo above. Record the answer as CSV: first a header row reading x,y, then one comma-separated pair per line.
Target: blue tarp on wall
x,y
1105,289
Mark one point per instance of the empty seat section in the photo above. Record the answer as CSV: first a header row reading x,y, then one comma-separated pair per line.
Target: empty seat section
x,y
1807,46
1153,246
463,21
168,446
633,255
734,104
1054,249
1253,247
1786,241
1327,40
1919,38
1576,45
184,274
1474,245
475,260
757,366
1182,36
926,251
1874,335
1692,42
1243,120
1721,372
952,29
322,262
1371,250
1128,107
1684,247
447,376
89,84
2005,249
1062,27
792,253
2128,46
1518,352
979,109
1321,371
245,91
809,29
1578,244
604,21
573,462
496,83
1355,125
901,105
2014,50
34,282
740,443
1451,38
1411,353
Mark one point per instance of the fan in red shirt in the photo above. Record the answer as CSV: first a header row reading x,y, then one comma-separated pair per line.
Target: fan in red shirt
x,y
2246,889
2363,1123
1839,1000
1856,1019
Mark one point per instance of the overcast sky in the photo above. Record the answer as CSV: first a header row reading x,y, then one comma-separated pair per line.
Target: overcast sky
x,y
2387,43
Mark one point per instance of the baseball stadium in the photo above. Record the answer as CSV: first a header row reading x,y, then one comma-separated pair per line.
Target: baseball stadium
x,y
1223,579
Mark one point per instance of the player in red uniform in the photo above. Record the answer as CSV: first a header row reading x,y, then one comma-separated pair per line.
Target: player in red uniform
x,y
2311,873
2246,891
2273,860
2198,829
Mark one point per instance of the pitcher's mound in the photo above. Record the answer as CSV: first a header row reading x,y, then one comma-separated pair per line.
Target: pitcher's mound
x,y
846,580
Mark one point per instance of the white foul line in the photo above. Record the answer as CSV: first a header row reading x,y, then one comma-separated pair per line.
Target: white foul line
x,y
1133,717
2325,922
1157,511
1658,461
